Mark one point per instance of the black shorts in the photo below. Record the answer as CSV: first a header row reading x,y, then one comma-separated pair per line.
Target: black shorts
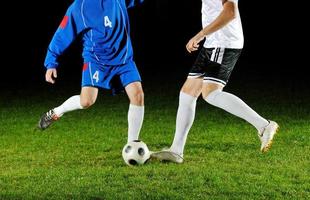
x,y
215,64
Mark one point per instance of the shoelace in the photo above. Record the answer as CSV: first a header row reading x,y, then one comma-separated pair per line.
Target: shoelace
x,y
49,115
262,133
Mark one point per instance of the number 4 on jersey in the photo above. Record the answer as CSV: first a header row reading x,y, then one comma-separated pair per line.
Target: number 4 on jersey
x,y
107,22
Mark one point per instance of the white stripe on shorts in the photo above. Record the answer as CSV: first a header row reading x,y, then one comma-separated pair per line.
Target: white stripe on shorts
x,y
213,80
217,55
195,75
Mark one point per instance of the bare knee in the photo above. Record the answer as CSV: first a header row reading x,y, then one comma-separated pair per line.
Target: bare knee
x,y
87,102
208,88
88,96
135,94
137,98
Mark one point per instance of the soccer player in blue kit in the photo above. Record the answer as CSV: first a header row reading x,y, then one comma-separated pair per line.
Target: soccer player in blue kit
x,y
107,53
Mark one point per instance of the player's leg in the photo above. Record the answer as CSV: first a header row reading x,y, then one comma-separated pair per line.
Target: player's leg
x,y
131,80
189,93
136,110
84,100
213,93
87,97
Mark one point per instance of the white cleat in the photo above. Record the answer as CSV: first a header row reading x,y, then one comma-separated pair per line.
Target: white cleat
x,y
267,135
168,155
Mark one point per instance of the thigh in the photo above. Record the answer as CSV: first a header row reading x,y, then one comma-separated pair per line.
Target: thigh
x,y
193,86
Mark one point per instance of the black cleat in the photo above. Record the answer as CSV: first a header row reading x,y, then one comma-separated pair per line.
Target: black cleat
x,y
47,119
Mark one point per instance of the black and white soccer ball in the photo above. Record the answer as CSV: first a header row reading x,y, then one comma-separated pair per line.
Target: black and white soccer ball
x,y
136,153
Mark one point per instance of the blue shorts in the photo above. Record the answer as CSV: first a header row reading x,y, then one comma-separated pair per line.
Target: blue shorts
x,y
109,77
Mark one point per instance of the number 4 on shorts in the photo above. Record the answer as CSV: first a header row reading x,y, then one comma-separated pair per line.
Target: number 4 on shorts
x,y
96,76
107,22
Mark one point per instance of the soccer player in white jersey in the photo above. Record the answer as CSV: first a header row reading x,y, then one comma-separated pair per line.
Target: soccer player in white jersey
x,y
222,30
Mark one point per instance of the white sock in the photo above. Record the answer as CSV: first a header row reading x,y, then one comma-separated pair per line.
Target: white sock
x,y
73,103
184,121
237,107
135,120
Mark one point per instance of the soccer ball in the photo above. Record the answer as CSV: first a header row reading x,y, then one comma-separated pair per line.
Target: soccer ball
x,y
136,153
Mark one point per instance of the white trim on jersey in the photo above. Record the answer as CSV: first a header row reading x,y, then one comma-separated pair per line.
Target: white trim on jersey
x,y
91,30
82,13
127,34
91,74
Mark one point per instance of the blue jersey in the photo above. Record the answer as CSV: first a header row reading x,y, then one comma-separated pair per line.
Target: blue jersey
x,y
105,29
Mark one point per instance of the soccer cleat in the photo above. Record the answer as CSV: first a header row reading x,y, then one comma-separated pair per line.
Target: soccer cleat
x,y
47,119
267,135
168,155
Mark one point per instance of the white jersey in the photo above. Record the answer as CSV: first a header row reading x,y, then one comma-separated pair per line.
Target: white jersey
x,y
230,36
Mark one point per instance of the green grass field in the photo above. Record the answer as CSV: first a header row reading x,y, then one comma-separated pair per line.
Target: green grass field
x,y
79,157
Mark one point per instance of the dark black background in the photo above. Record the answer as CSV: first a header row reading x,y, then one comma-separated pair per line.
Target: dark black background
x,y
160,30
